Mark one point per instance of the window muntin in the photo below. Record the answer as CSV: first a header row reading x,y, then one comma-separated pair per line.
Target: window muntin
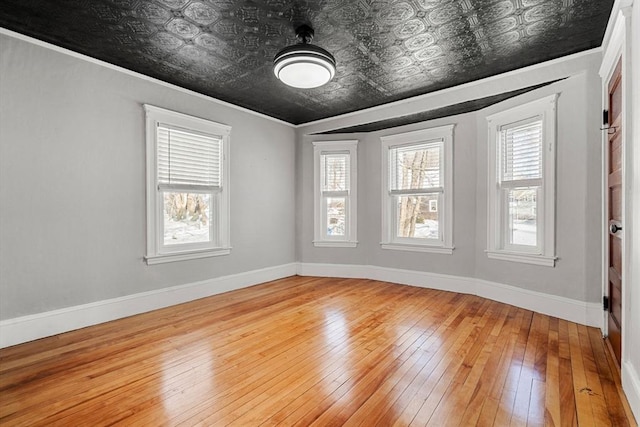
x,y
335,192
187,176
417,199
522,182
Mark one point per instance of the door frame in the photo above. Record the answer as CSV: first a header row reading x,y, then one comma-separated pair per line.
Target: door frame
x,y
606,237
617,45
617,42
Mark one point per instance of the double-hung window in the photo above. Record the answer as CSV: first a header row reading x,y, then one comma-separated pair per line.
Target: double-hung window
x,y
335,191
417,190
521,183
187,187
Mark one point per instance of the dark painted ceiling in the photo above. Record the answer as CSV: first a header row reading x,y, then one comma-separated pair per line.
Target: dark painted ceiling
x,y
386,50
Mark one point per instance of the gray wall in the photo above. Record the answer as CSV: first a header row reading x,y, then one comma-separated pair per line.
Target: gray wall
x,y
72,217
577,274
368,251
72,184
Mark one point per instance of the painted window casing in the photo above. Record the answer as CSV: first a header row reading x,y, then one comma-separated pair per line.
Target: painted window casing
x,y
417,190
521,183
335,193
187,187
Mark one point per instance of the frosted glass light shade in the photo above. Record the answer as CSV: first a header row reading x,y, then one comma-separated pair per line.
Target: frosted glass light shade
x,y
304,66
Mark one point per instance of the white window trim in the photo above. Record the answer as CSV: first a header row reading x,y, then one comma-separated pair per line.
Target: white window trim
x,y
154,254
320,239
441,133
545,254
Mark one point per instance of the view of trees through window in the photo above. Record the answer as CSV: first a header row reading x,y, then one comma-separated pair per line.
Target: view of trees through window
x,y
417,218
336,216
186,218
417,170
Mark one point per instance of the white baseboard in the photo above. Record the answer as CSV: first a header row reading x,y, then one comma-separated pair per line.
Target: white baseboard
x,y
631,387
28,328
585,313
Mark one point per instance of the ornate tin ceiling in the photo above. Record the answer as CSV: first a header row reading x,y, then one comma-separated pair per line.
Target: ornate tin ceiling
x,y
386,50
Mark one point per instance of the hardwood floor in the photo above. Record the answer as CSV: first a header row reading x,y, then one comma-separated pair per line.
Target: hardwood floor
x,y
316,351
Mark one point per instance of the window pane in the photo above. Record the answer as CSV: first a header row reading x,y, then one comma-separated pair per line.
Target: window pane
x,y
186,157
186,218
418,216
522,216
335,172
522,151
415,167
336,216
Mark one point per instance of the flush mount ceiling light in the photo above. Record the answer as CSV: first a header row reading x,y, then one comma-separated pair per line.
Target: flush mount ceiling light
x,y
303,65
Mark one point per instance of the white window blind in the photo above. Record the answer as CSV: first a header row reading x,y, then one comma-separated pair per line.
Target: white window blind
x,y
415,167
522,151
188,160
335,173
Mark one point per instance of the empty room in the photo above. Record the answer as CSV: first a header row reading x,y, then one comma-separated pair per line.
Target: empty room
x,y
331,212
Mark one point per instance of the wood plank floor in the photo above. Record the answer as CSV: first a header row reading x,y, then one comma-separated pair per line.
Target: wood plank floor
x,y
314,351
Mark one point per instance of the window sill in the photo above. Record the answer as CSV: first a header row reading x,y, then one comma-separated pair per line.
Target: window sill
x,y
327,244
418,248
185,256
547,261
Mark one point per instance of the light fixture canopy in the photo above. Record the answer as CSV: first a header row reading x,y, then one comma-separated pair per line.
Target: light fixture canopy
x,y
304,65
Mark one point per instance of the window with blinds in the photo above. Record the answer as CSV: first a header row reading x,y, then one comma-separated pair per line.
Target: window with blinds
x,y
335,193
415,167
188,160
187,202
417,203
521,151
415,185
335,172
521,183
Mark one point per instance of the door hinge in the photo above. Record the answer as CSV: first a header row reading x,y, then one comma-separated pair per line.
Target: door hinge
x,y
605,122
605,303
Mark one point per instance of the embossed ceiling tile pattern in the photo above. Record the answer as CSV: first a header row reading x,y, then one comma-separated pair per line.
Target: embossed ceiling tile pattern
x,y
153,13
386,50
